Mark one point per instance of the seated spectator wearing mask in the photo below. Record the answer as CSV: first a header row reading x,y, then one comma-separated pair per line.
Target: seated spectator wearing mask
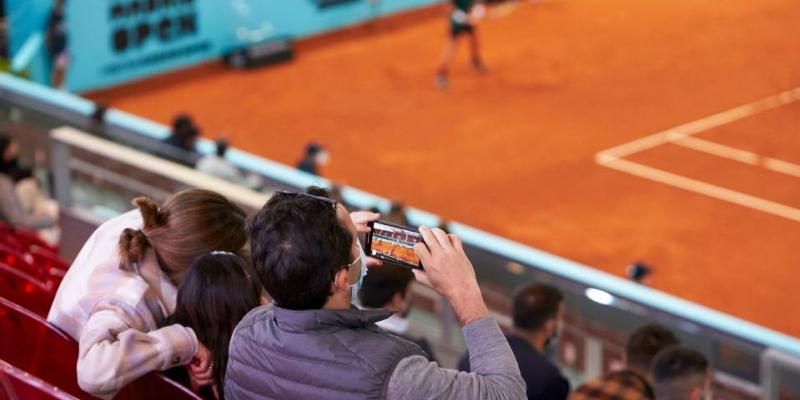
x,y
217,291
216,165
633,382
313,344
11,209
118,295
681,373
389,287
537,314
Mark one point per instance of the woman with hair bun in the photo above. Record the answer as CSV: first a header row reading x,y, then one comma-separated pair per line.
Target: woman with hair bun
x,y
119,294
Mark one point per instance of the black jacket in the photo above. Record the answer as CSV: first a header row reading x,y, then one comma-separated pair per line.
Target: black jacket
x,y
544,380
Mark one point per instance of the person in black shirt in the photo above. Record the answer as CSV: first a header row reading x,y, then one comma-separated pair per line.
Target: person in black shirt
x,y
389,287
537,314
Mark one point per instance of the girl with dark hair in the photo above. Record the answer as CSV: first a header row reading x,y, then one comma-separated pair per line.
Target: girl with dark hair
x,y
118,295
216,293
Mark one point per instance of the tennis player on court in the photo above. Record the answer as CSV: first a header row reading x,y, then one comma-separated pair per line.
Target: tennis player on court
x,y
464,15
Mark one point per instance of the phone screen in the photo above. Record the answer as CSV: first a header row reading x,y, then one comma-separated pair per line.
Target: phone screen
x,y
393,243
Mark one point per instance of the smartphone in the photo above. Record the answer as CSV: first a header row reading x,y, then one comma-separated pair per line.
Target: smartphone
x,y
393,243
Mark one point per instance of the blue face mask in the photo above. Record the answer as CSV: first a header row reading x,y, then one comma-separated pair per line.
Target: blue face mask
x,y
357,286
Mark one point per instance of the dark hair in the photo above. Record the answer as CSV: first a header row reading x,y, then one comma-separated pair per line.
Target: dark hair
x,y
21,173
5,141
646,343
381,284
677,370
190,223
535,304
181,123
318,191
298,245
217,292
222,147
313,148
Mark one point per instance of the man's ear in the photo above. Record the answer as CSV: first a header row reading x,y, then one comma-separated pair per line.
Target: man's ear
x,y
340,281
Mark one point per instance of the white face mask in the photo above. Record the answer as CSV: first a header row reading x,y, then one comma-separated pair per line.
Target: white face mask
x,y
357,285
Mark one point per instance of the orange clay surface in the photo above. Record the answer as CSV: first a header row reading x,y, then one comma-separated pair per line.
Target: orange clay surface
x,y
512,152
391,249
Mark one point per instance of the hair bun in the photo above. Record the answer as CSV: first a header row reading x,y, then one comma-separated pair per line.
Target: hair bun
x,y
151,214
132,246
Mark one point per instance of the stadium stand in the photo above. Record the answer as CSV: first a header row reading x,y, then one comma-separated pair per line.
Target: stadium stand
x,y
747,358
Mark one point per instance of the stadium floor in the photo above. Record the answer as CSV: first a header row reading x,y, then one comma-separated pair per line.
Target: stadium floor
x,y
513,152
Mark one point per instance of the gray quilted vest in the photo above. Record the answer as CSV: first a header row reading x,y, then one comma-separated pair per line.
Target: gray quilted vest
x,y
277,353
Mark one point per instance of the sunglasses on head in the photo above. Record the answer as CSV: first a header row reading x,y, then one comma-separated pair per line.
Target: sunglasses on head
x,y
325,200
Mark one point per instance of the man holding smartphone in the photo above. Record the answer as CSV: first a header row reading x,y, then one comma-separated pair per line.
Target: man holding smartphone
x,y
311,343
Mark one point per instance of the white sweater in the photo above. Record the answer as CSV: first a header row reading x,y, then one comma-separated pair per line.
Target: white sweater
x,y
119,316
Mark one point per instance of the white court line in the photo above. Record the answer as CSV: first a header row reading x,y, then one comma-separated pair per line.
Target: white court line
x,y
719,150
743,156
698,186
782,166
680,135
704,124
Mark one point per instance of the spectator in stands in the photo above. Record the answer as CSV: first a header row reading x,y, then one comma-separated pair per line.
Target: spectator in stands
x,y
218,290
184,136
57,43
11,210
121,289
216,165
639,272
389,287
633,382
315,157
33,200
537,313
311,344
397,214
681,373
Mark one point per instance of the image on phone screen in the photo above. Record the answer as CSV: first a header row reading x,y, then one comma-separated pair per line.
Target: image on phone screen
x,y
393,243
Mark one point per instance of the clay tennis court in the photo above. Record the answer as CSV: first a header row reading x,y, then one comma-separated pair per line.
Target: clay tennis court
x,y
515,152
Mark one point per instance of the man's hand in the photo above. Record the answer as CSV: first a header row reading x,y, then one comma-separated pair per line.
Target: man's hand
x,y
361,219
450,273
201,368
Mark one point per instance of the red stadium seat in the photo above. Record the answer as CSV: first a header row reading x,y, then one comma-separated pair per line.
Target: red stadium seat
x,y
49,265
25,290
16,384
38,262
33,345
155,386
29,240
